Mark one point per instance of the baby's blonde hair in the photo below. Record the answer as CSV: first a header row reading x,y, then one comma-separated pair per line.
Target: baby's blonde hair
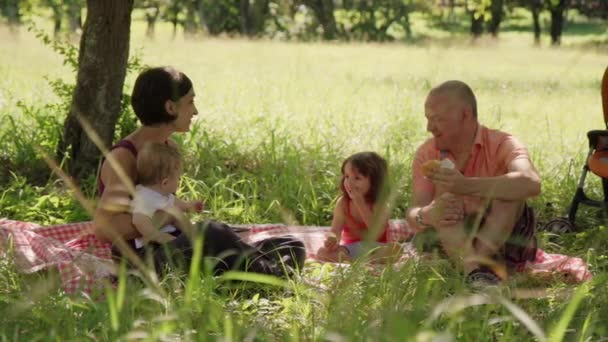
x,y
156,161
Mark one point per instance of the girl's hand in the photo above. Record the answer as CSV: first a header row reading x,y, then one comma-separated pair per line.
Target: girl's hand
x,y
356,195
331,242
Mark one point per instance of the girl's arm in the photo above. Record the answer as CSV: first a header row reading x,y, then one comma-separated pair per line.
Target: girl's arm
x,y
375,217
338,219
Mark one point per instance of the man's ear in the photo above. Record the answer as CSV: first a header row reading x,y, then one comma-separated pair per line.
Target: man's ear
x,y
170,107
467,112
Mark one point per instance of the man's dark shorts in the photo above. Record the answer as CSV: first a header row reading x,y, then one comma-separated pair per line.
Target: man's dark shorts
x,y
519,248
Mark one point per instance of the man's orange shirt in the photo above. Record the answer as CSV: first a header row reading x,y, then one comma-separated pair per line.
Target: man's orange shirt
x,y
491,155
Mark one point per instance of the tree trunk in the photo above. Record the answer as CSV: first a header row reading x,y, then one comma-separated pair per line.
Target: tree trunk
x,y
497,13
324,11
536,7
476,25
253,16
57,18
190,26
102,63
202,21
75,16
152,13
557,22
11,11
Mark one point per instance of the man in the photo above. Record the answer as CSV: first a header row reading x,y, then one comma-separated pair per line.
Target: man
x,y
477,208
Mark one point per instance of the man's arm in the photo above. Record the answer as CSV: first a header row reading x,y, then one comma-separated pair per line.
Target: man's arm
x,y
519,183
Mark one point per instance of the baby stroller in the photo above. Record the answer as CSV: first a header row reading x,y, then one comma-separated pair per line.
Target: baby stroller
x,y
597,163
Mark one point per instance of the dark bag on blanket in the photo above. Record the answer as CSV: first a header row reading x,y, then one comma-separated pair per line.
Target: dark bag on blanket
x,y
225,250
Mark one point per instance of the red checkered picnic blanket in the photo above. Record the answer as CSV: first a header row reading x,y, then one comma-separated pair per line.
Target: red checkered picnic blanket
x,y
83,261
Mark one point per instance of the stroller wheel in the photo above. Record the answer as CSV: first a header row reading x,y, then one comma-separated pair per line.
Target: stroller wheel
x,y
559,226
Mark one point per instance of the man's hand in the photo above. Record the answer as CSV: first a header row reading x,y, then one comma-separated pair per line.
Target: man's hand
x,y
450,180
445,210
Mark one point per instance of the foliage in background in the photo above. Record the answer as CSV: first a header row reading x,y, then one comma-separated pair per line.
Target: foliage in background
x,y
361,20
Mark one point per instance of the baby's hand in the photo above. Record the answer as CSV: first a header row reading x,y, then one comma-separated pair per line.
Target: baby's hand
x,y
197,206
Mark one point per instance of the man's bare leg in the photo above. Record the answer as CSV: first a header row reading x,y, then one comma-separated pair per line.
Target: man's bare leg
x,y
497,228
457,244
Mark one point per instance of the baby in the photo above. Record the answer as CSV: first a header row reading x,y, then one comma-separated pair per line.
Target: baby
x,y
159,167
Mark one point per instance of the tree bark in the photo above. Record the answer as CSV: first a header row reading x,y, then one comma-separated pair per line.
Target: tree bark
x,y
557,22
102,63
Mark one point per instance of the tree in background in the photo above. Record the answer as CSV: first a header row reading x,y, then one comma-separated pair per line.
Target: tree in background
x,y
57,10
536,7
253,15
496,15
74,12
151,13
557,9
592,8
11,10
478,10
102,63
324,13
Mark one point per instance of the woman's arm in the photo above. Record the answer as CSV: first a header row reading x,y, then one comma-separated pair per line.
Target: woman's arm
x,y
112,219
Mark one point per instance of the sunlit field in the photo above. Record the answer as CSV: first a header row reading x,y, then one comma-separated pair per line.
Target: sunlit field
x,y
275,121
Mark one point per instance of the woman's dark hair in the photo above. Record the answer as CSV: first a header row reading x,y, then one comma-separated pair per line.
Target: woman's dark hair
x,y
368,164
152,89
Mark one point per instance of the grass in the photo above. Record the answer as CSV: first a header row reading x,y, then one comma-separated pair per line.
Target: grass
x,y
276,120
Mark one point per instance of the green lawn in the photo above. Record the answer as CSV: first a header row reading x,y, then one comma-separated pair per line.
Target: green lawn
x,y
276,120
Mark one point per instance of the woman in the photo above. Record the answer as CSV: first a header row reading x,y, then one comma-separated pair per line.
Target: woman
x,y
163,100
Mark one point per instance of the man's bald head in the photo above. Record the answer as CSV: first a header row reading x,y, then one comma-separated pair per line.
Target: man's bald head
x,y
456,91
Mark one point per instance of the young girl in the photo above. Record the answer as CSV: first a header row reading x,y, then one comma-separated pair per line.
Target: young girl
x,y
360,219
